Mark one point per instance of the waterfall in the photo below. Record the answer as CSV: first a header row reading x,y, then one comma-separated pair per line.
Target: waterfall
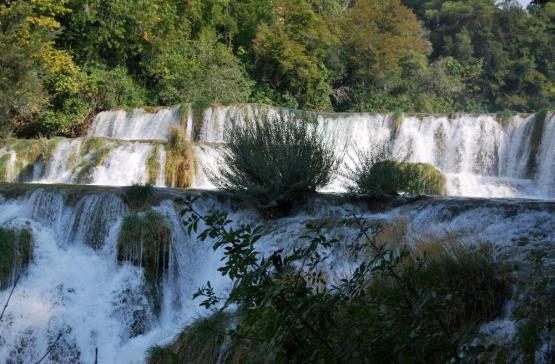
x,y
138,124
161,178
207,158
76,290
60,166
481,156
125,165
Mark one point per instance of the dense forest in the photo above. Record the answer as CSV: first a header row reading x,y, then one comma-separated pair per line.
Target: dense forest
x,y
63,60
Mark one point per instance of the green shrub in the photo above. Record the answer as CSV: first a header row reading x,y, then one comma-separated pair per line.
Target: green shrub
x,y
137,195
110,88
385,179
145,241
16,251
274,161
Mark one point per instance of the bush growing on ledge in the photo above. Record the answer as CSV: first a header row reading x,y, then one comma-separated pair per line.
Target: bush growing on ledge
x,y
145,241
275,161
137,195
385,179
16,251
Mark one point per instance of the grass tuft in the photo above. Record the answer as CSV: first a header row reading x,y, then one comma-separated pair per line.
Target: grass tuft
x,y
180,161
138,196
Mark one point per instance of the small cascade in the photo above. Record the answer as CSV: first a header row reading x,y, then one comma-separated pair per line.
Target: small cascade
x,y
62,162
161,178
138,124
217,120
124,166
8,160
46,206
208,158
93,217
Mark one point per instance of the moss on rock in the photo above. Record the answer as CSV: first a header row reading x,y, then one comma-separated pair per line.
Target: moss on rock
x,y
145,241
536,140
16,251
201,342
180,161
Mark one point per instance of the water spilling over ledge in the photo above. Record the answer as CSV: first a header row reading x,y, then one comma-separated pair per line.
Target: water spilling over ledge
x,y
76,285
480,155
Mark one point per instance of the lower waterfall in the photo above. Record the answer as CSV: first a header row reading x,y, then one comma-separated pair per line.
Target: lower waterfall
x,y
77,295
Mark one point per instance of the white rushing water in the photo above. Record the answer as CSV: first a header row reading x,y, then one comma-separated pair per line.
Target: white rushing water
x,y
481,156
125,165
137,124
76,290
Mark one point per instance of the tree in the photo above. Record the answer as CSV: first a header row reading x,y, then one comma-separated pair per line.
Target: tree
x,y
291,51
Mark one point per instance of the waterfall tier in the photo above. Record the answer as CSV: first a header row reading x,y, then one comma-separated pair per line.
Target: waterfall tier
x,y
76,289
480,155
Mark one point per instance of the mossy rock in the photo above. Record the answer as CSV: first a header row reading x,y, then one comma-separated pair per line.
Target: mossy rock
x,y
16,251
145,240
389,178
535,143
180,160
138,196
200,342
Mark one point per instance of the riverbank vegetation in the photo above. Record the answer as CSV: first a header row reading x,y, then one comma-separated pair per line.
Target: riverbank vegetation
x,y
62,61
399,303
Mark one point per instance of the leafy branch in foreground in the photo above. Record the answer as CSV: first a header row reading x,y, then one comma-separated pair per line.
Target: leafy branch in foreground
x,y
398,304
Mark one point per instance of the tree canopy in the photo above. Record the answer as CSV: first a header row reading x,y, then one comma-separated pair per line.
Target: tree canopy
x,y
64,60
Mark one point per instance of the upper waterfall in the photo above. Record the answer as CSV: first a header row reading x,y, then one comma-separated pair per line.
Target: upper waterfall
x,y
481,155
137,124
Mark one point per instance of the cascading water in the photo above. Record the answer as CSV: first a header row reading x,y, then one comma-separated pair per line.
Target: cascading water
x,y
125,165
480,156
137,124
75,297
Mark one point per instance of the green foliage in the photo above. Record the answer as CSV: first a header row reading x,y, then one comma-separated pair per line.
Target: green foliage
x,y
385,179
201,69
112,88
137,196
398,305
70,58
145,240
16,251
535,311
276,160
